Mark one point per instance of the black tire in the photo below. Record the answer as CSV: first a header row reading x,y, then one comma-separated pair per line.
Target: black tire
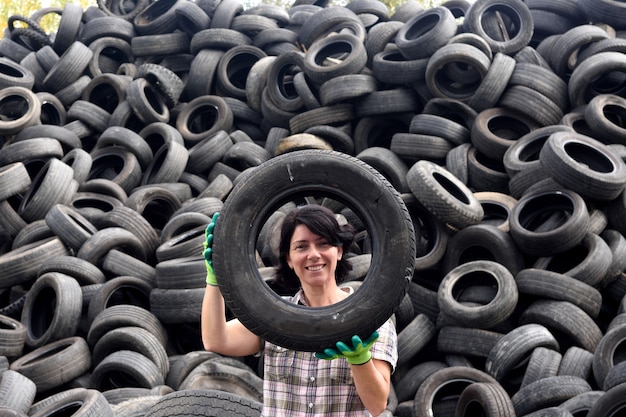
x,y
537,227
13,74
202,117
167,165
613,402
495,82
446,385
441,85
345,52
590,73
484,173
543,81
131,338
414,337
328,20
479,273
68,68
512,349
497,128
125,315
177,305
607,353
524,152
466,341
181,273
52,309
432,124
488,399
388,164
555,286
589,262
204,403
584,165
431,234
20,109
482,242
84,272
213,374
69,225
542,363
251,300
22,264
13,334
515,10
582,403
444,195
567,322
126,290
548,392
425,32
100,243
14,179
17,392
577,361
125,368
80,401
599,114
43,365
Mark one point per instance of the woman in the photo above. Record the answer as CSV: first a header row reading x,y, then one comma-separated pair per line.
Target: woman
x,y
341,381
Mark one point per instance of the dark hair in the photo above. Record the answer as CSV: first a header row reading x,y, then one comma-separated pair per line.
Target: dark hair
x,y
321,221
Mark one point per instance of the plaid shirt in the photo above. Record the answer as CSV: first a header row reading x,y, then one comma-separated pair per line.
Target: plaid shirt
x,y
297,384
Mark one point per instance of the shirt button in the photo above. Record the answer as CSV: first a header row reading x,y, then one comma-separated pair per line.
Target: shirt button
x,y
310,405
312,379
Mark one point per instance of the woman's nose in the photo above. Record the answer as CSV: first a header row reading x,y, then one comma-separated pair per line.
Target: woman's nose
x,y
314,252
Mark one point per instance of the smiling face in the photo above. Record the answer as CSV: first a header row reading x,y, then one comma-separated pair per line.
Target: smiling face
x,y
312,257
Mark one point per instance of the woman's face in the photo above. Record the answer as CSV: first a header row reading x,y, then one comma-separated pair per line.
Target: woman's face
x,y
312,257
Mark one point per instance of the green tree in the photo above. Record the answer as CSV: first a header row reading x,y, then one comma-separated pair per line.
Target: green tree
x,y
26,8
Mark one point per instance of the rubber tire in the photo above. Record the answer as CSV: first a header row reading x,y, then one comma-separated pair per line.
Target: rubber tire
x,y
555,237
548,392
444,195
80,402
204,403
488,399
584,165
480,272
43,365
446,384
310,171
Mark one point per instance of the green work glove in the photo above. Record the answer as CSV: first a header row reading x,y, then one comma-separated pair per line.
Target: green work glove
x,y
208,251
357,354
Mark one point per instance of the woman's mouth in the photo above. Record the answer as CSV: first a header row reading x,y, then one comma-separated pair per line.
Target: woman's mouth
x,y
315,268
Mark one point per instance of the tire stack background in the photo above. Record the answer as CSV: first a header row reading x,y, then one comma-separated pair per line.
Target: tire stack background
x,y
501,123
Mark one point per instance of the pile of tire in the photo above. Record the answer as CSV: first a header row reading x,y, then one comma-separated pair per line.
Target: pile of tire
x,y
499,123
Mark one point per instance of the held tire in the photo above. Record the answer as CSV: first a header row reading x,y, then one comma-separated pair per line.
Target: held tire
x,y
300,174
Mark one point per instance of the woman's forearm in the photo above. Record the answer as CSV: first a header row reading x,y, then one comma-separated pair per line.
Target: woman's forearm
x,y
229,338
213,319
372,381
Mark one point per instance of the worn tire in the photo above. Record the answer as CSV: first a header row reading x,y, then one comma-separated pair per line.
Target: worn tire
x,y
252,301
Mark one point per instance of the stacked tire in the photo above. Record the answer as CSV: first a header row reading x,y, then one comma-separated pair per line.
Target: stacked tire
x,y
495,131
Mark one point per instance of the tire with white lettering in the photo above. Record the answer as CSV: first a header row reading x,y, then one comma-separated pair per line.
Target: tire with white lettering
x,y
325,174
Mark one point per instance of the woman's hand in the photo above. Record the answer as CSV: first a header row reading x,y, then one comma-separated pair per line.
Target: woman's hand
x,y
208,251
357,354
